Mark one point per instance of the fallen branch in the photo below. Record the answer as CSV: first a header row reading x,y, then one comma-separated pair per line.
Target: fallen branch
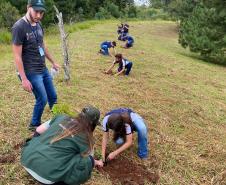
x,y
64,45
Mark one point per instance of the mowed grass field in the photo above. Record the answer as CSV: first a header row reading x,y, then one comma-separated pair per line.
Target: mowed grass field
x,y
181,98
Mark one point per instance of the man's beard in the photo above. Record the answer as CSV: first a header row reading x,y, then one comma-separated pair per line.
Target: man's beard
x,y
32,19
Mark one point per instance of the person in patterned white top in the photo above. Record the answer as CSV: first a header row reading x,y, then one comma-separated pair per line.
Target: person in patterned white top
x,y
124,122
125,66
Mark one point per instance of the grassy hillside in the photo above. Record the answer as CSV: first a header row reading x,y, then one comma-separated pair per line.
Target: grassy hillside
x,y
182,99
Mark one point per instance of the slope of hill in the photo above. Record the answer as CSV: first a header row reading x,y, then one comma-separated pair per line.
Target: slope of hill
x,y
181,97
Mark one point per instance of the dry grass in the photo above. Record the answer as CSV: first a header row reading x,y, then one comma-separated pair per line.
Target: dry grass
x,y
182,99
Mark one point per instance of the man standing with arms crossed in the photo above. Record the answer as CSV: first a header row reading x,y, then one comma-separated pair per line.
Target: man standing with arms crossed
x,y
29,54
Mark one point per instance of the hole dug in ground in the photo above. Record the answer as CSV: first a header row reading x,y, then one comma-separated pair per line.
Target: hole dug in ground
x,y
124,172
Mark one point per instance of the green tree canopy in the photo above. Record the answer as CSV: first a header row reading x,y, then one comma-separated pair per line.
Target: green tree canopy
x,y
9,14
202,26
76,10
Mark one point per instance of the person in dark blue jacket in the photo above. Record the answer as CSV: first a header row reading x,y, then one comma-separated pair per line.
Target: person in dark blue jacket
x,y
105,46
129,41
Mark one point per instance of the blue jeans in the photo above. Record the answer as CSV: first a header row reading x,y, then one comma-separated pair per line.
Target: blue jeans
x,y
128,68
142,135
141,130
43,90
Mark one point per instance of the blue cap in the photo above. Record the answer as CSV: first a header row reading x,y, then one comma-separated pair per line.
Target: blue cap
x,y
38,5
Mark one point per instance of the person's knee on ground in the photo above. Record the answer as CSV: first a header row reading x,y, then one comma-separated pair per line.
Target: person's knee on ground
x,y
104,51
128,45
142,143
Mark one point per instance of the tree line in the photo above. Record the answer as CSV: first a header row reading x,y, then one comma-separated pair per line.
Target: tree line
x,y
202,25
73,10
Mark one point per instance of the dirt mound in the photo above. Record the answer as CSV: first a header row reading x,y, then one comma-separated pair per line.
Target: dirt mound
x,y
7,159
122,171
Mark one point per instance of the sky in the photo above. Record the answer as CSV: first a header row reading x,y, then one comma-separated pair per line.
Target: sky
x,y
140,2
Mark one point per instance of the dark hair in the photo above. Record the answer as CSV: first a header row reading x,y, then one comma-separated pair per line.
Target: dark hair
x,y
114,43
126,118
126,25
116,122
75,126
118,57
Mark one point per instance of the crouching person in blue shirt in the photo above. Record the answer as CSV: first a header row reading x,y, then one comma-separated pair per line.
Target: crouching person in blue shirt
x,y
125,66
105,47
61,154
124,122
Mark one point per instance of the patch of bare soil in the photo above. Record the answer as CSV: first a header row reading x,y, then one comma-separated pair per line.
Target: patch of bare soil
x,y
122,171
7,159
18,146
11,157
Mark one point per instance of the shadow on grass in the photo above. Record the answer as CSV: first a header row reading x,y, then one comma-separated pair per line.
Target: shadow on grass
x,y
202,59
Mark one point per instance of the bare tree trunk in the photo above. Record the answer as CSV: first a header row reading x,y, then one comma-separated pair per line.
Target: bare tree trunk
x,y
64,44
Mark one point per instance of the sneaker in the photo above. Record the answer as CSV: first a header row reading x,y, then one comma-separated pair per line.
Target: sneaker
x,y
32,127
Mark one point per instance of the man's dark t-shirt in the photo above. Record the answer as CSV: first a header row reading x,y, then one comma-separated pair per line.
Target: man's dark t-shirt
x,y
31,38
